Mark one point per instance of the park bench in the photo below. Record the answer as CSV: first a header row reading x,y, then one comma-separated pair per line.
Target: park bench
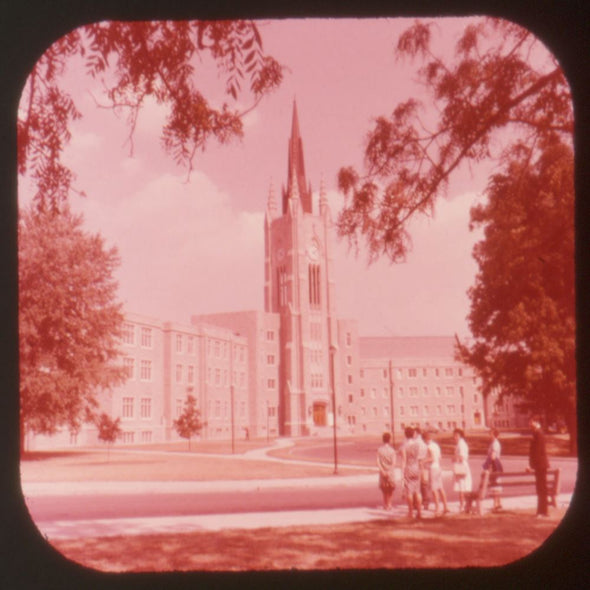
x,y
509,479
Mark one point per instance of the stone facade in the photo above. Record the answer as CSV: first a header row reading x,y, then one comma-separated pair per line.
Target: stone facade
x,y
282,371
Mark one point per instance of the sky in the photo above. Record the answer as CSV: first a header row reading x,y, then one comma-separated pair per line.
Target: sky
x,y
196,245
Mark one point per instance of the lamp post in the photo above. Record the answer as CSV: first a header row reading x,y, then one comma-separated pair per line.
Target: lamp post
x,y
391,402
333,350
232,393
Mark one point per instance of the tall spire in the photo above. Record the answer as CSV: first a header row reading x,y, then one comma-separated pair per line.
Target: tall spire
x,y
271,205
296,167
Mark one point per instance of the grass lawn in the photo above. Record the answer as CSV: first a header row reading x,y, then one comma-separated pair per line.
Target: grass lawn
x,y
98,465
454,541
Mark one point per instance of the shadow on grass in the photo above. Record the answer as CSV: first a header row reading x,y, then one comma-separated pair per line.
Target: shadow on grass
x,y
45,455
451,542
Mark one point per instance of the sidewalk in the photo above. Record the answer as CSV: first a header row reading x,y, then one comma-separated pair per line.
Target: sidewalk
x,y
252,520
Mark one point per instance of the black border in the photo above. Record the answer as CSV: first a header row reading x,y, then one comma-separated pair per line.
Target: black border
x,y
27,28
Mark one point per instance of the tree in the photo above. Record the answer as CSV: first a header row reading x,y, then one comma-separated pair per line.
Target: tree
x,y
108,430
488,96
523,302
490,103
69,321
189,422
136,60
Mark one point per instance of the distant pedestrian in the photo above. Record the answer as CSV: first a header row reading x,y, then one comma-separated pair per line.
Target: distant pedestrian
x,y
386,464
461,470
539,463
432,464
424,476
493,464
410,453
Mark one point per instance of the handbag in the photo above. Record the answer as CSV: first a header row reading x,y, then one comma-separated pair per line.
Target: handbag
x,y
459,469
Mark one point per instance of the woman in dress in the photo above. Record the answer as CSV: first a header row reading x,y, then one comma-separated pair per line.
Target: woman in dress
x,y
410,453
462,473
386,465
432,463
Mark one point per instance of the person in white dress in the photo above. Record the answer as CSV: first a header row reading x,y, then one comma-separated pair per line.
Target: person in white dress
x,y
432,462
462,473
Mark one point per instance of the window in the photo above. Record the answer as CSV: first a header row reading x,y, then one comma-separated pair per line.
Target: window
x,y
225,376
460,372
242,354
127,407
401,392
426,410
386,411
348,339
209,374
128,437
451,409
270,359
129,365
425,390
178,373
349,378
362,392
362,373
413,410
146,337
384,373
225,350
314,284
128,334
400,373
373,393
217,408
412,373
449,372
475,398
350,398
217,348
375,411
413,391
450,390
437,372
145,370
439,410
271,384
438,392
424,372
270,335
145,409
190,377
190,344
349,360
146,436
282,283
178,407
178,342
217,376
385,392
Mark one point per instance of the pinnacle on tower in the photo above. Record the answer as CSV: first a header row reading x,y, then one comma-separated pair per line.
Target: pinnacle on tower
x,y
271,205
296,167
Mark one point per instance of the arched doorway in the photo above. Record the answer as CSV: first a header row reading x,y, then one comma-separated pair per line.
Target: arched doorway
x,y
320,417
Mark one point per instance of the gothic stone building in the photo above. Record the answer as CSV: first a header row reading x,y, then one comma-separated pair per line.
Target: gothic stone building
x,y
292,369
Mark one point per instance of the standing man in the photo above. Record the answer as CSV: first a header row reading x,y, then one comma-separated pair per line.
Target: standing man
x,y
386,465
410,452
539,463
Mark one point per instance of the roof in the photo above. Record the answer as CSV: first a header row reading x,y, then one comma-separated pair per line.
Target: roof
x,y
415,347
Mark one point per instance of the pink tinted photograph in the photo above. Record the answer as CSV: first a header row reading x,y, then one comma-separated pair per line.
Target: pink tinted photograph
x,y
297,294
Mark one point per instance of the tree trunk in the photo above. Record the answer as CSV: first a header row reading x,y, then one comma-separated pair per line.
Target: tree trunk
x,y
572,428
22,438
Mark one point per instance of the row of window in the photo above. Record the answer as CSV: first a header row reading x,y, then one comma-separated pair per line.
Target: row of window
x,y
129,437
128,335
128,408
413,373
145,369
221,378
413,392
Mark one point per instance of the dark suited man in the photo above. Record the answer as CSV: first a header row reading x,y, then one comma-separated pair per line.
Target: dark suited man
x,y
539,463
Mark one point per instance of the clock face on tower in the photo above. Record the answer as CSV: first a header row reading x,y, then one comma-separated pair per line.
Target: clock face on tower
x,y
313,252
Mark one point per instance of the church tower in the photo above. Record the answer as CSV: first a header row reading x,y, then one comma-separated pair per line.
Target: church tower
x,y
299,287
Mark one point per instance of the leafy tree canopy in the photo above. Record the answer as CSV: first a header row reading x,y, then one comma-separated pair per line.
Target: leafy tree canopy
x,y
136,60
490,93
69,320
523,302
108,429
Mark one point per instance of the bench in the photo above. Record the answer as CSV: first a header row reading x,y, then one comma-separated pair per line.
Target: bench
x,y
510,479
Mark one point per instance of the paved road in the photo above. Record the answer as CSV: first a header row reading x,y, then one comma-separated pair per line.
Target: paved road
x,y
153,499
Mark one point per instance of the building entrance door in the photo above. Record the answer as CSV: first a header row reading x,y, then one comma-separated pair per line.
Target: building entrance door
x,y
319,414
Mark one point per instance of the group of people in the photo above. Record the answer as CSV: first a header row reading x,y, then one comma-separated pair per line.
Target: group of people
x,y
421,471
